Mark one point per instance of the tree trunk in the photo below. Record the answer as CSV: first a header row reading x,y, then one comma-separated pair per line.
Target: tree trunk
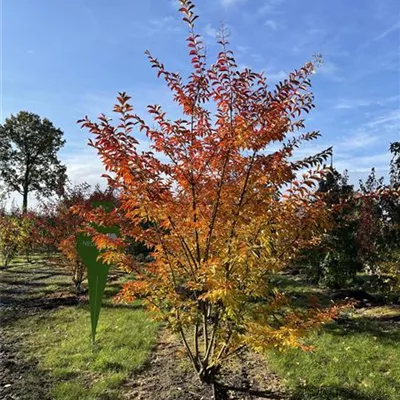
x,y
25,201
78,288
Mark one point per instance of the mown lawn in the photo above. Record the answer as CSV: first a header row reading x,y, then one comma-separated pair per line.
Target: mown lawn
x,y
356,358
58,342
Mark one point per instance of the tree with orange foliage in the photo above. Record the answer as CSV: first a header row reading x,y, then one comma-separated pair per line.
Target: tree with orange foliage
x,y
225,211
64,225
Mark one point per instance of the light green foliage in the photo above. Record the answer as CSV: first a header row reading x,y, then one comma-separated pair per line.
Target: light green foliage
x,y
13,232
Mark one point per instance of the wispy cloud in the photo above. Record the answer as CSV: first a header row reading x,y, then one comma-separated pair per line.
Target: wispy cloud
x,y
359,140
229,3
270,6
242,50
389,120
270,23
174,4
381,36
351,104
388,31
330,70
209,30
153,26
167,23
362,165
275,76
242,67
315,31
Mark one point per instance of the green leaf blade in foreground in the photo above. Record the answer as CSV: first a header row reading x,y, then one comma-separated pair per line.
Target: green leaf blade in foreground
x,y
97,271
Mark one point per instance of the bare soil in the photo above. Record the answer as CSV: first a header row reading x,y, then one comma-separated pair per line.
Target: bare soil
x,y
168,376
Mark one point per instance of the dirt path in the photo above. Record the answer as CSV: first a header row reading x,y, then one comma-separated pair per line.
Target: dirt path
x,y
167,376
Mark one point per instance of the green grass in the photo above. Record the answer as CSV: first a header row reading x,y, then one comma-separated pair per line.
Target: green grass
x,y
356,359
58,341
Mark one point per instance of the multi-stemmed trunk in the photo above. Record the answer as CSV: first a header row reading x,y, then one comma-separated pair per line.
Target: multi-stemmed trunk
x,y
78,276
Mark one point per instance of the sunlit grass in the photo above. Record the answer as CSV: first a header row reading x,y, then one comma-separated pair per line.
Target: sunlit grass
x,y
358,359
58,340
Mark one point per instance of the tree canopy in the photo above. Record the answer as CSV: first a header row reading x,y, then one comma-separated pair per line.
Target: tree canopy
x,y
28,156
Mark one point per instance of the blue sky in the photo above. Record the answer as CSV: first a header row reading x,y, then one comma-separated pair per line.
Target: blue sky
x,y
65,59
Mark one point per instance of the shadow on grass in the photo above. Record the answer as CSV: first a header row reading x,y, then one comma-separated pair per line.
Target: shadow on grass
x,y
123,306
34,270
299,290
20,376
33,283
310,392
384,330
222,390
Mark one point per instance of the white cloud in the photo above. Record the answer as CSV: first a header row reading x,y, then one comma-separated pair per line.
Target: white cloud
x,y
330,70
174,4
209,30
349,104
271,24
229,3
362,164
388,31
270,6
381,36
315,31
86,167
162,25
167,23
359,140
242,67
242,49
389,120
275,76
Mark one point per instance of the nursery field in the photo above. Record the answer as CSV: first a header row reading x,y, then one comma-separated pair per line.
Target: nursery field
x,y
227,176
46,351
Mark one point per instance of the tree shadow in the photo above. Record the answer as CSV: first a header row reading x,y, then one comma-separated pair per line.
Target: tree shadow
x,y
123,306
386,330
32,283
222,392
332,392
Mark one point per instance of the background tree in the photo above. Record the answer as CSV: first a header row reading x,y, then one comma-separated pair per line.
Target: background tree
x,y
389,201
222,214
14,230
28,156
64,225
372,220
395,165
334,261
